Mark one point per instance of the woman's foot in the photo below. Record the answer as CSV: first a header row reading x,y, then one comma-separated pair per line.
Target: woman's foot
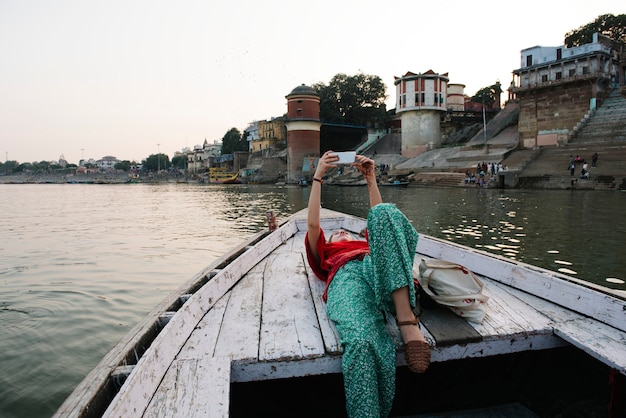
x,y
416,349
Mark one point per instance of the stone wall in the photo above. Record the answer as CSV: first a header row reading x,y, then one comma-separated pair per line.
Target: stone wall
x,y
554,108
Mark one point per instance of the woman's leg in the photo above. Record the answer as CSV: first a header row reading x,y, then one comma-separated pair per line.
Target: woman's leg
x,y
369,357
392,240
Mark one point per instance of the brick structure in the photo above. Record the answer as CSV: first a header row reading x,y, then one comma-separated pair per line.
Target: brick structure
x,y
557,86
303,131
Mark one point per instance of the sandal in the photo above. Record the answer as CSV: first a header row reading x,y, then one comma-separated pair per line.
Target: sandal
x,y
416,353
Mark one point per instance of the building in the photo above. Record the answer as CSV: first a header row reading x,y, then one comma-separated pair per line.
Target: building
x,y
420,100
557,86
272,135
456,97
107,163
199,160
251,133
303,131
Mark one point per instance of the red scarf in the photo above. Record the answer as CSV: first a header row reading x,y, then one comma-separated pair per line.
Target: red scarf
x,y
333,256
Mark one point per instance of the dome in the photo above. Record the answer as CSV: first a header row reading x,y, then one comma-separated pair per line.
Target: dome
x,y
303,90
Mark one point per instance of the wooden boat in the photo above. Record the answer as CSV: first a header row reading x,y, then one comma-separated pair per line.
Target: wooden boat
x,y
249,336
219,175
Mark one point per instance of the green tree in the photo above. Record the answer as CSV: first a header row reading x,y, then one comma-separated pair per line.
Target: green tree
x,y
156,162
356,100
122,165
179,161
609,25
233,141
9,166
487,95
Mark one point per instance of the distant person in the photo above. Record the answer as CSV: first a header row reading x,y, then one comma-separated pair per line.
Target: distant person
x,y
594,159
572,167
577,159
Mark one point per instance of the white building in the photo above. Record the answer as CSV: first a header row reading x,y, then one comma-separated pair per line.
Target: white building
x,y
107,163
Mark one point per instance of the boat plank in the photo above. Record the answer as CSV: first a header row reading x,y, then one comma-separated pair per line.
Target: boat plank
x,y
133,397
289,328
243,318
601,341
327,327
203,339
194,388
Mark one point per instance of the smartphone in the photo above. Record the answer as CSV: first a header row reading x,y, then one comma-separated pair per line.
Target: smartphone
x,y
347,157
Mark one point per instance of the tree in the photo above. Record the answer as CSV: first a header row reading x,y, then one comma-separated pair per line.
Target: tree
x,y
179,161
609,25
122,165
156,162
356,100
232,142
487,95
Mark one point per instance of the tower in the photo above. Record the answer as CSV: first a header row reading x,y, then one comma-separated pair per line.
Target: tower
x,y
303,129
420,98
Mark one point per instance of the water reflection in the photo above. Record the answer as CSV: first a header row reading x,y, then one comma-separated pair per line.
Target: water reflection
x,y
562,231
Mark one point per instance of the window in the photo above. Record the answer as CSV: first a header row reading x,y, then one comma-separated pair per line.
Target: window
x,y
559,75
417,99
529,60
559,54
423,97
544,78
585,70
572,72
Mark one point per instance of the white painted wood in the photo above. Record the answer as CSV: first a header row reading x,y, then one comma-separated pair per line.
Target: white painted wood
x,y
203,339
253,372
242,319
599,340
134,395
330,335
549,285
193,388
289,328
602,342
505,314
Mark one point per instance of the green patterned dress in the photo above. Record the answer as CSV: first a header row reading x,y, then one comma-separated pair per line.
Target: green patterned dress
x,y
357,295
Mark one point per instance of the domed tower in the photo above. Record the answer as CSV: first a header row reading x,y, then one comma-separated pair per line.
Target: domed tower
x,y
303,129
420,99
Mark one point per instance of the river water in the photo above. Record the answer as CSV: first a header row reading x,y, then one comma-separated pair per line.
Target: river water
x,y
80,265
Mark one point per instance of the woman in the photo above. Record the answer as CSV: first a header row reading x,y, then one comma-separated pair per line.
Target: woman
x,y
364,278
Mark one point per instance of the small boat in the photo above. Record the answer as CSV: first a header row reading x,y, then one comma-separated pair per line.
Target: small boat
x,y
219,175
245,335
395,183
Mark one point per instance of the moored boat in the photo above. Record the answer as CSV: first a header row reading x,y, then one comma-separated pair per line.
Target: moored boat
x,y
257,315
395,183
219,175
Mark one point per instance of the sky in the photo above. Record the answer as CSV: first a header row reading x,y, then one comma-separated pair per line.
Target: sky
x,y
131,78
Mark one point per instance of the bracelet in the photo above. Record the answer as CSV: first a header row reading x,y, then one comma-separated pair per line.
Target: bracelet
x,y
317,180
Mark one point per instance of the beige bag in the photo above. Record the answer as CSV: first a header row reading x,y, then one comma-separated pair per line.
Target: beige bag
x,y
454,286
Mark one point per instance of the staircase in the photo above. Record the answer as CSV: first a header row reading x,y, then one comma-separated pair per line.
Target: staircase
x,y
607,124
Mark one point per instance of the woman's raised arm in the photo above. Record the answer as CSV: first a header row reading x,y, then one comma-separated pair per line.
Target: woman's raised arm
x,y
315,200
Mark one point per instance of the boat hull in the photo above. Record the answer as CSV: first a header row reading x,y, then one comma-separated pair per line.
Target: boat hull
x,y
259,309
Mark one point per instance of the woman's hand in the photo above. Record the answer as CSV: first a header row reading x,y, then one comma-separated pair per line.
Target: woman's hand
x,y
325,162
366,166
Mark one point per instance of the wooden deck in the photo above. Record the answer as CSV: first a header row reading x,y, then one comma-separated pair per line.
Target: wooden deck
x,y
264,318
